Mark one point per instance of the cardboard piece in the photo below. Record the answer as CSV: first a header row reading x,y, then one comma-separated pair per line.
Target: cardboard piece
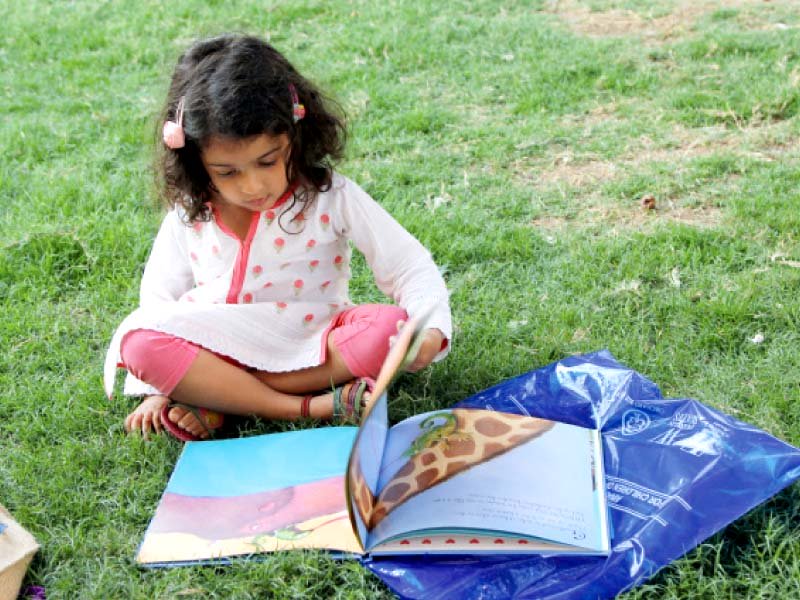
x,y
17,548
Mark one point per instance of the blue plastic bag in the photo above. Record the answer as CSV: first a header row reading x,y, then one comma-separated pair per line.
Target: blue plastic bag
x,y
677,471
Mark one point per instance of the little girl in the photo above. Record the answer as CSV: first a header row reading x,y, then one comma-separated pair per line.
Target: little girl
x,y
244,304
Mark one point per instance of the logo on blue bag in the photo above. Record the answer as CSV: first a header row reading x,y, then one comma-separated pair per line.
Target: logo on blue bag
x,y
684,421
634,421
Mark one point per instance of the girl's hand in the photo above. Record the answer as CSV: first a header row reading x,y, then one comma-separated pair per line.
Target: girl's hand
x,y
431,345
146,416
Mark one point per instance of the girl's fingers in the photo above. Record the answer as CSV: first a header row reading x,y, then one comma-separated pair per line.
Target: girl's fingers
x,y
400,324
146,423
135,421
427,352
415,365
146,417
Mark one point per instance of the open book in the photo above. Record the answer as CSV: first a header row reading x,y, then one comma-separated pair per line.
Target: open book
x,y
456,481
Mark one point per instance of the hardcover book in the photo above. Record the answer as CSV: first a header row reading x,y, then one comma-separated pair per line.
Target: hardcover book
x,y
454,481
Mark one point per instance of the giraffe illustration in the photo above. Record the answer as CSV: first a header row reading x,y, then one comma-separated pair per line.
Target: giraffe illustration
x,y
362,496
478,436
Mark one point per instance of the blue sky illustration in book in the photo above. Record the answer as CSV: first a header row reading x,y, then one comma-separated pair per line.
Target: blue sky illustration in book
x,y
239,496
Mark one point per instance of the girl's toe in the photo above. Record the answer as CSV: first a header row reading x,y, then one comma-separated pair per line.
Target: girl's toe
x,y
176,413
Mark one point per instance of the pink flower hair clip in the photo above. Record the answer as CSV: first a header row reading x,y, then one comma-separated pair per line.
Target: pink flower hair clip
x,y
173,135
298,110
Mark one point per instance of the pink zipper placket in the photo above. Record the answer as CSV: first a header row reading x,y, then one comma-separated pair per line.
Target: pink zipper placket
x,y
240,266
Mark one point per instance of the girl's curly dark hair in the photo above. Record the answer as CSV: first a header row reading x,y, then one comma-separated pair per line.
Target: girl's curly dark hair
x,y
237,86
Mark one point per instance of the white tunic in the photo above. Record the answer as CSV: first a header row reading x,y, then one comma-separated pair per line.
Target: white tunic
x,y
268,300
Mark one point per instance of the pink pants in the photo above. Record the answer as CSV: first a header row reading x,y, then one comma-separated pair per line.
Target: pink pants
x,y
360,334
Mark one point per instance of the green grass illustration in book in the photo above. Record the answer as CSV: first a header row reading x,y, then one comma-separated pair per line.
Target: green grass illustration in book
x,y
449,481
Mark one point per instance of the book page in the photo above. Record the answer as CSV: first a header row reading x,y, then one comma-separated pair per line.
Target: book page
x,y
365,460
468,469
364,464
259,494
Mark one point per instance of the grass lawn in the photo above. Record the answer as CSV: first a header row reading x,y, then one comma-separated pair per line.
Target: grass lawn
x,y
516,139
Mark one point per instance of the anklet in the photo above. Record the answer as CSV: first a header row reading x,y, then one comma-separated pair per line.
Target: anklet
x,y
305,406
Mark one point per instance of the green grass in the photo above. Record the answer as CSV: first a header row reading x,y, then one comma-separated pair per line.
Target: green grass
x,y
515,139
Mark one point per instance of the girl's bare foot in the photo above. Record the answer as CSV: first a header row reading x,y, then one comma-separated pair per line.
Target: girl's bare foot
x,y
147,417
190,421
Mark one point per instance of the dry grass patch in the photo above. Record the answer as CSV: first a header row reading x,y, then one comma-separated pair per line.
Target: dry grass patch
x,y
622,22
767,142
658,28
593,212
568,170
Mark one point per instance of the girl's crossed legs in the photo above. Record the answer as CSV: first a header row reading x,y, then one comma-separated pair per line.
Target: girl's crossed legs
x,y
357,344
